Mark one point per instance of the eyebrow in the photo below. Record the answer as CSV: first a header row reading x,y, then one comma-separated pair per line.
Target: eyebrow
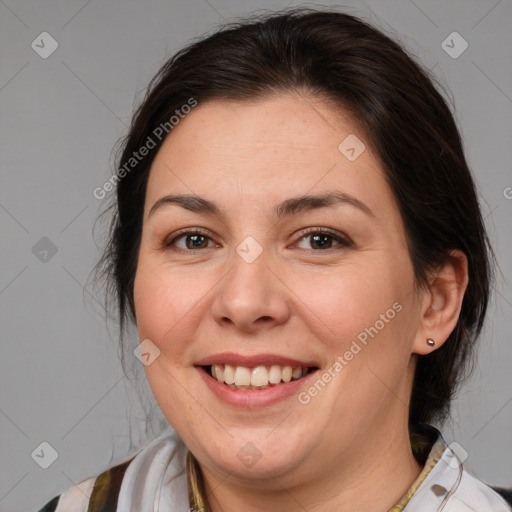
x,y
287,208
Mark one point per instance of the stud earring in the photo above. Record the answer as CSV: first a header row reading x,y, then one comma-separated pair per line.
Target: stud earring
x,y
431,342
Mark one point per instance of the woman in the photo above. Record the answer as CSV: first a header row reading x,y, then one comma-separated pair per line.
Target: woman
x,y
298,240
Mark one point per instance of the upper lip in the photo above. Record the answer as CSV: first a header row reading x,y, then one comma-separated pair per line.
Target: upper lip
x,y
253,361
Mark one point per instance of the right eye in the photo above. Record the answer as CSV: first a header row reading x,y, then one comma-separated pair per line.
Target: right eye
x,y
193,240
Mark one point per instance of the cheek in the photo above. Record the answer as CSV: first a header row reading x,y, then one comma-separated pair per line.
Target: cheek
x,y
152,299
345,301
364,314
169,303
156,305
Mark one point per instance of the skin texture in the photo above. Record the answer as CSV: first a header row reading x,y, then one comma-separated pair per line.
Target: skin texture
x,y
348,448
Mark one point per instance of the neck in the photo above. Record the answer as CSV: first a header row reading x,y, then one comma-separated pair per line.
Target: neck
x,y
372,475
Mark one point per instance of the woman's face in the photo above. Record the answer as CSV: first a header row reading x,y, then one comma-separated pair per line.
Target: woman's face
x,y
242,276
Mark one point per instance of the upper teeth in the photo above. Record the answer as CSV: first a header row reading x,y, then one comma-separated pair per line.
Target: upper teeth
x,y
260,376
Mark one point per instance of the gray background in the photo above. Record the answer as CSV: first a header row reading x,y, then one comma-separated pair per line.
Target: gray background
x,y
61,381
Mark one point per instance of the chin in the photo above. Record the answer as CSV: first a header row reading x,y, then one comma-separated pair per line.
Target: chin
x,y
259,458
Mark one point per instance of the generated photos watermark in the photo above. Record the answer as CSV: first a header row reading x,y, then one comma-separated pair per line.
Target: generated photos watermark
x,y
158,134
343,360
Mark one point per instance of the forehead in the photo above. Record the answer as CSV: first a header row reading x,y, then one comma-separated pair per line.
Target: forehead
x,y
265,150
291,124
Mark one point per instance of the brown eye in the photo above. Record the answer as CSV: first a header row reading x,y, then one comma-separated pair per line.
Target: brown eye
x,y
321,240
190,240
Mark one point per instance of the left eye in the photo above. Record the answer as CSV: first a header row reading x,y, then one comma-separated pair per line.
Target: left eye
x,y
323,240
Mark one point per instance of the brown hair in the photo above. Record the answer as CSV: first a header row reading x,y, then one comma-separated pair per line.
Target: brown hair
x,y
407,122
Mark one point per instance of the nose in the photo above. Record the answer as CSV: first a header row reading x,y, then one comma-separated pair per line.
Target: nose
x,y
250,296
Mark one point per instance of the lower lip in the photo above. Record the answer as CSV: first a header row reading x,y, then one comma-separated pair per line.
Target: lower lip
x,y
251,398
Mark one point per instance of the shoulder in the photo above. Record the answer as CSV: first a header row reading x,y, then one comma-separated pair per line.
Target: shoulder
x,y
130,485
450,487
474,495
75,498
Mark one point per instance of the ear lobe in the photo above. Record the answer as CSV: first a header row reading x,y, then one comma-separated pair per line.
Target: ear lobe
x,y
442,303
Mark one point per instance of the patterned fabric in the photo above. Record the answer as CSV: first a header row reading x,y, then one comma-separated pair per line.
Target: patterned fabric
x,y
165,477
506,494
51,505
195,486
421,445
106,489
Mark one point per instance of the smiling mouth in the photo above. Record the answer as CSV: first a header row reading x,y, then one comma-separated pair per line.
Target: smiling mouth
x,y
256,378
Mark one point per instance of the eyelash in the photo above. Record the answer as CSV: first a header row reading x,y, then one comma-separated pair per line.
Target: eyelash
x,y
343,241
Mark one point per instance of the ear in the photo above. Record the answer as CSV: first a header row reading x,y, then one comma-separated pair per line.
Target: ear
x,y
441,302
